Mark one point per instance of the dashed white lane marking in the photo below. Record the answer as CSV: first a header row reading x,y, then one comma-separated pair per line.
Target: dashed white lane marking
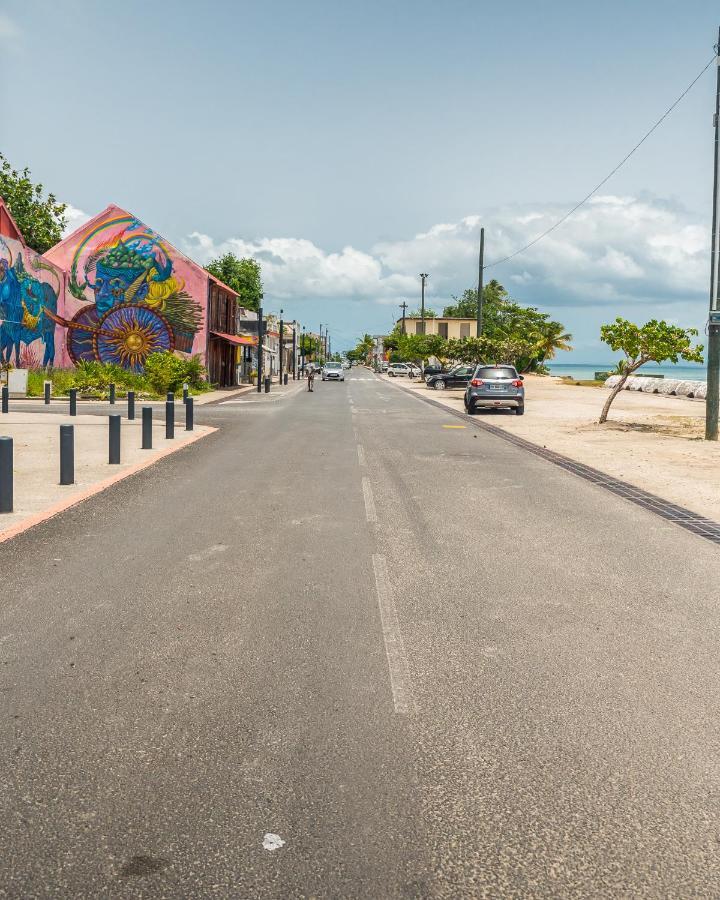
x,y
370,511
212,550
361,455
394,647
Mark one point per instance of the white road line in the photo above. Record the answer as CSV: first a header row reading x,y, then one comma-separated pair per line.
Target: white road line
x,y
370,511
394,647
361,455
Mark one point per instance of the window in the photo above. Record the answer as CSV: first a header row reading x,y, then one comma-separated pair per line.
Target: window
x,y
443,329
419,328
490,373
464,329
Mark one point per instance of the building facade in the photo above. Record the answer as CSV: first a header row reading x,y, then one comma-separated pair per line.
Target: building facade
x,y
445,326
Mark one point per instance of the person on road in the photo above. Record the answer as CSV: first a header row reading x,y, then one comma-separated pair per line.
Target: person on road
x,y
310,377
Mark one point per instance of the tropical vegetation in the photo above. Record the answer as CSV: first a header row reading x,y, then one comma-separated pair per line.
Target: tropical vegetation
x,y
41,219
242,275
656,341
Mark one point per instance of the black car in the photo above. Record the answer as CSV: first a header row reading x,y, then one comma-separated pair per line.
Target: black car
x,y
429,371
457,377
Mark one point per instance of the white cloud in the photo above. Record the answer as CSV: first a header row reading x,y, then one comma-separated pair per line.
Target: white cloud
x,y
74,218
615,250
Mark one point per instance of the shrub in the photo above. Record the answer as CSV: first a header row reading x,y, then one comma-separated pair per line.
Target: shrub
x,y
167,372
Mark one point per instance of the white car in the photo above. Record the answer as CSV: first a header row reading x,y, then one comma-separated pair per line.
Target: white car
x,y
408,369
333,371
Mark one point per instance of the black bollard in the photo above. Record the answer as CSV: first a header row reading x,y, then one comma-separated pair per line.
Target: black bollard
x,y
147,428
112,395
189,417
47,392
169,420
114,440
6,474
170,397
67,454
73,401
131,405
5,398
267,384
185,393
285,378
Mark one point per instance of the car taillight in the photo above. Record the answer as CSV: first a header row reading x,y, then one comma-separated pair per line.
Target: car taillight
x,y
477,382
517,383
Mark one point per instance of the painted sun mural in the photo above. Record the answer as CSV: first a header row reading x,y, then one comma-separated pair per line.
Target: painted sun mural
x,y
135,302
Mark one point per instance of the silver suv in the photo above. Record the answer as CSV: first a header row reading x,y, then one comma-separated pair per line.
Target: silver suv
x,y
495,386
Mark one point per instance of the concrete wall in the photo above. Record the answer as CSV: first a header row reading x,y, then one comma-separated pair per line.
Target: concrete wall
x,y
456,328
128,293
29,287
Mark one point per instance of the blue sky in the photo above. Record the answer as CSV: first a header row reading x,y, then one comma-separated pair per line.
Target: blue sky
x,y
352,145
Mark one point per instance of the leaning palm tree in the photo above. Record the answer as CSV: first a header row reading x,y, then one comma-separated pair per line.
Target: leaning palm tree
x,y
552,338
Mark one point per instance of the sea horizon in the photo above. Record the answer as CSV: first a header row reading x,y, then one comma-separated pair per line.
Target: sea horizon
x,y
586,371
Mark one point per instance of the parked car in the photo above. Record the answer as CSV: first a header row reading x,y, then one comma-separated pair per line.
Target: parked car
x,y
384,366
346,365
404,369
457,377
333,371
495,386
429,371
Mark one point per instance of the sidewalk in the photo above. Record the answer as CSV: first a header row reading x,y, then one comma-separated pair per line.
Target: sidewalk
x,y
651,441
36,461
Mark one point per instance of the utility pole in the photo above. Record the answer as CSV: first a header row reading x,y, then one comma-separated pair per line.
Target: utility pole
x,y
260,350
320,346
403,307
281,347
712,401
302,353
423,278
481,268
294,363
327,333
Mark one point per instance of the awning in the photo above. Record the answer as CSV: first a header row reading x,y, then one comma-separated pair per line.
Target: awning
x,y
243,340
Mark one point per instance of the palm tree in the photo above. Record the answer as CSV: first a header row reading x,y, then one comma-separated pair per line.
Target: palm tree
x,y
553,337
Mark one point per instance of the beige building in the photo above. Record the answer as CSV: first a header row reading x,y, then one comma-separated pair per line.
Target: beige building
x,y
443,325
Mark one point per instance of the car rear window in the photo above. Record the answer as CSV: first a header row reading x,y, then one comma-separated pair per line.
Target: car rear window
x,y
487,373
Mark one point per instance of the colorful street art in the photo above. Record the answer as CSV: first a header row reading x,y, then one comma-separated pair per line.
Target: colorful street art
x,y
135,301
28,306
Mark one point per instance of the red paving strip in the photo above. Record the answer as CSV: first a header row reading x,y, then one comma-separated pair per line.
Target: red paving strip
x,y
98,487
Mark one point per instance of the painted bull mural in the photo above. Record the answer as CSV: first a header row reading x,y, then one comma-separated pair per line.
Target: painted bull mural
x,y
28,306
133,299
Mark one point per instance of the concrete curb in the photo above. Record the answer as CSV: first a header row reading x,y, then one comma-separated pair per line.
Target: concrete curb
x,y
97,488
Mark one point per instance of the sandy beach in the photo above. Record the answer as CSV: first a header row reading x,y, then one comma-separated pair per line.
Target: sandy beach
x,y
651,441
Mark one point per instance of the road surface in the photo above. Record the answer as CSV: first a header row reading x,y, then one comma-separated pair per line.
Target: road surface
x,y
429,662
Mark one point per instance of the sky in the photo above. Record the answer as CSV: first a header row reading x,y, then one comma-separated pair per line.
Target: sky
x,y
350,146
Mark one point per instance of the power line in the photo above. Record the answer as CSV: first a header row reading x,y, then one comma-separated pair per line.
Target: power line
x,y
607,178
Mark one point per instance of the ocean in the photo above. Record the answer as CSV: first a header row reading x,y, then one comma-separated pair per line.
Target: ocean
x,y
584,372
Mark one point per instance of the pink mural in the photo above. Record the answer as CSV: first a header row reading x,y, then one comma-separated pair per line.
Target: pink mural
x,y
128,294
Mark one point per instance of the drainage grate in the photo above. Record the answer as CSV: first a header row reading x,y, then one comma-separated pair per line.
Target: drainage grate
x,y
685,518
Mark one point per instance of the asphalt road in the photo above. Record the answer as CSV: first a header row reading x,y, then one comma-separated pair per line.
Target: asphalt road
x,y
433,664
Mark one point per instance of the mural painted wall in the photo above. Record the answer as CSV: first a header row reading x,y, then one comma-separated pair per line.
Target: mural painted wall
x,y
128,294
31,292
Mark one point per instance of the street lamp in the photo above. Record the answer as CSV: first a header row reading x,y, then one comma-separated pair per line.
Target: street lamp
x,y
423,278
281,345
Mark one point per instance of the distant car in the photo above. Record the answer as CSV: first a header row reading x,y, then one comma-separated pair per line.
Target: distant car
x,y
397,369
384,366
346,365
495,386
457,377
333,371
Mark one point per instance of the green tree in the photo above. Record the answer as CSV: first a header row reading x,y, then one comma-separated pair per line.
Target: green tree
x,y
553,337
654,342
309,346
40,219
417,313
418,347
242,275
466,306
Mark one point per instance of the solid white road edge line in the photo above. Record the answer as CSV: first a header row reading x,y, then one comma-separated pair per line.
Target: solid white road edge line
x,y
370,511
394,647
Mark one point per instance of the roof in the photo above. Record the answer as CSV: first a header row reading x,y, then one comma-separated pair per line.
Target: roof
x,y
439,319
114,208
8,225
